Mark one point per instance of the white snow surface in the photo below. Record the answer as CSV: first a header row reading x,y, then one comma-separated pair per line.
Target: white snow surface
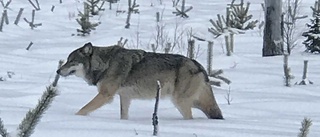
x,y
261,105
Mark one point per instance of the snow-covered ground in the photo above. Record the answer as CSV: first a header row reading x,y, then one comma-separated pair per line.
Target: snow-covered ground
x,y
261,106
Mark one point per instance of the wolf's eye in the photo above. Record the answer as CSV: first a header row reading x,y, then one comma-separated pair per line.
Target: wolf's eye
x,y
70,60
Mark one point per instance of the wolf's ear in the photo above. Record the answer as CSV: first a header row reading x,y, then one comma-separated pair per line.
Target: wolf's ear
x,y
87,49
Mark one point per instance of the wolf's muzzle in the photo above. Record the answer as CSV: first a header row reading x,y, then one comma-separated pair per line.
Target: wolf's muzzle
x,y
62,72
58,71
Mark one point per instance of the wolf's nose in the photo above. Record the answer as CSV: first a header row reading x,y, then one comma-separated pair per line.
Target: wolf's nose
x,y
58,71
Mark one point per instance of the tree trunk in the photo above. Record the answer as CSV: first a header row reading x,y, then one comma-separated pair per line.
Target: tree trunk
x,y
272,39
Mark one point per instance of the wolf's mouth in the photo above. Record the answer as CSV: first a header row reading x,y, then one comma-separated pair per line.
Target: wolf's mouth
x,y
72,72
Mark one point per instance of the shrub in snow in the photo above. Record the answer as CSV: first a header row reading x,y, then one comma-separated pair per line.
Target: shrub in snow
x,y
95,6
132,8
239,18
312,42
236,21
316,8
290,19
28,124
84,22
183,11
305,127
33,116
3,131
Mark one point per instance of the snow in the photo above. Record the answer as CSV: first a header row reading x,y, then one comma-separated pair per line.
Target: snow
x,y
261,105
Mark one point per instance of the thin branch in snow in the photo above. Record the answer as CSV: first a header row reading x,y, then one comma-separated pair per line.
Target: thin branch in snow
x,y
155,113
305,127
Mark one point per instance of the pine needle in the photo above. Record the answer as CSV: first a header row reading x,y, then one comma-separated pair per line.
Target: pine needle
x,y
28,124
3,131
305,127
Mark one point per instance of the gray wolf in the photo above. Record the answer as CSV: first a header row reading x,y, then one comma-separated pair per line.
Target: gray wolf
x,y
133,74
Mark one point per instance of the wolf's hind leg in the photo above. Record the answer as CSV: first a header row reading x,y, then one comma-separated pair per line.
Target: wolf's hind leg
x,y
124,106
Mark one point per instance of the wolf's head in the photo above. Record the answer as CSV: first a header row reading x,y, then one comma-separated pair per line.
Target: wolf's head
x,y
78,62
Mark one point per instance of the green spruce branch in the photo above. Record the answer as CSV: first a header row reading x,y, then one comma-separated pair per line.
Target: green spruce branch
x,y
3,131
305,127
28,124
84,22
239,17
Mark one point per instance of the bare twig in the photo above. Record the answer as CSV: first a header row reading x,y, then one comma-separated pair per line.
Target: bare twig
x,y
161,36
5,14
155,113
228,96
167,48
136,132
34,6
132,8
2,21
286,69
52,8
216,74
122,44
191,49
228,45
305,81
5,6
209,58
18,16
175,3
290,19
10,74
55,82
29,46
31,23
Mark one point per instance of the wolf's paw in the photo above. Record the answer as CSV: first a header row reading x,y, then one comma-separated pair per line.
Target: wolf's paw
x,y
124,117
81,113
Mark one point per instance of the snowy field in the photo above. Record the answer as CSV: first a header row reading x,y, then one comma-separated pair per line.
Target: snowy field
x,y
261,105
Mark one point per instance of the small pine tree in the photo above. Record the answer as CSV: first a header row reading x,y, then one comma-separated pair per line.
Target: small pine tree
x,y
305,127
239,17
95,6
316,8
312,42
28,124
84,22
3,131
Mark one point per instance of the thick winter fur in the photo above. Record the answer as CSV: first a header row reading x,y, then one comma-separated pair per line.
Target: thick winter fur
x,y
133,74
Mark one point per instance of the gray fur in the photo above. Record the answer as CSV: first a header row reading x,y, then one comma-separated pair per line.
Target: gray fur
x,y
133,74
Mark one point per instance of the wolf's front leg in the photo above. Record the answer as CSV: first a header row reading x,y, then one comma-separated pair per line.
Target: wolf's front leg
x,y
105,95
124,106
98,101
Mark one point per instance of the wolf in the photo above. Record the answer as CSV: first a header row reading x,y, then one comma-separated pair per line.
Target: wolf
x,y
133,74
